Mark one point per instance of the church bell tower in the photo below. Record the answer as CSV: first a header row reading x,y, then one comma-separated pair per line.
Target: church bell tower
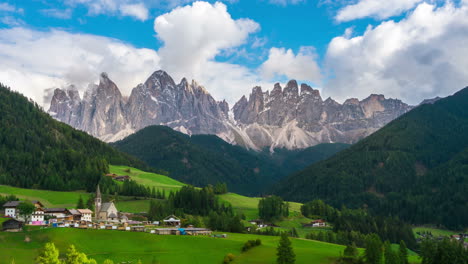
x,y
97,202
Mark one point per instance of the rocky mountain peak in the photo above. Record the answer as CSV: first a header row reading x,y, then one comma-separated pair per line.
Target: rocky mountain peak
x,y
281,118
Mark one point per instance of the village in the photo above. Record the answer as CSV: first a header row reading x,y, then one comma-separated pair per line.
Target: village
x,y
106,216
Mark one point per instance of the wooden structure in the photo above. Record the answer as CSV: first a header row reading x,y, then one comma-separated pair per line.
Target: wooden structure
x,y
12,225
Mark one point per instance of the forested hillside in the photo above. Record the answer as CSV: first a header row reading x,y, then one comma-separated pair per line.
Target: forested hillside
x,y
37,151
415,168
207,159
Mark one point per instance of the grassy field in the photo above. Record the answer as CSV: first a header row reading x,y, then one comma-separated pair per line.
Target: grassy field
x,y
435,232
249,205
158,181
123,246
48,198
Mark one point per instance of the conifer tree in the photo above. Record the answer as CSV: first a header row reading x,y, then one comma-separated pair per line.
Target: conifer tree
x,y
390,256
285,251
373,252
403,253
80,204
351,251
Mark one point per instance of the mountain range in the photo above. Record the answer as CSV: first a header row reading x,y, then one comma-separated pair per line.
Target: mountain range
x,y
293,117
414,168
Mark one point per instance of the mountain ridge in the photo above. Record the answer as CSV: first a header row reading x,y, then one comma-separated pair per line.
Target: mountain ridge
x,y
283,118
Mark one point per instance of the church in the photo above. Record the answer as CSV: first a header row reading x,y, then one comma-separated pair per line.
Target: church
x,y
106,211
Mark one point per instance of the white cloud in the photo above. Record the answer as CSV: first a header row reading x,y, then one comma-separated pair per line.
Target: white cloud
x,y
5,7
32,61
11,21
286,2
380,9
138,11
282,62
421,56
194,35
58,13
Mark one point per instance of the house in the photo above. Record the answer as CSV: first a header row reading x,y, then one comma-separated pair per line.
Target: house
x,y
13,225
316,223
122,178
172,220
75,214
11,210
86,215
37,218
59,213
258,222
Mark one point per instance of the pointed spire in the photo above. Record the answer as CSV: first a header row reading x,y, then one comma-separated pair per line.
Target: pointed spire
x,y
98,192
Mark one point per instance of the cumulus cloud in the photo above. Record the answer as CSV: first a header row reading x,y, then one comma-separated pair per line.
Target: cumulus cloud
x,y
375,8
194,35
421,56
136,9
284,63
32,61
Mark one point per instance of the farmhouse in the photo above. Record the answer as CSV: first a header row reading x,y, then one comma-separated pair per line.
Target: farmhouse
x,y
59,213
86,215
316,223
172,220
11,208
12,225
258,222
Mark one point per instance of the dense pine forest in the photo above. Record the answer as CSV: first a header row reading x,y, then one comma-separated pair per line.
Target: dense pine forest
x,y
415,168
39,152
207,159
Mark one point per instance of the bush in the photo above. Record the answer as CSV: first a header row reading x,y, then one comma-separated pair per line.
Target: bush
x,y
228,258
250,244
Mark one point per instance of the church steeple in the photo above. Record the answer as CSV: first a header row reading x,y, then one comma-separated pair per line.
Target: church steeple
x,y
97,202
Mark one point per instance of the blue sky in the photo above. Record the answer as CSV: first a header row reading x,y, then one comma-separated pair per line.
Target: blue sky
x,y
345,48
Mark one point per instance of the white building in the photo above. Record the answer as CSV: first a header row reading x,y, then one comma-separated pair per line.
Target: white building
x,y
37,218
86,214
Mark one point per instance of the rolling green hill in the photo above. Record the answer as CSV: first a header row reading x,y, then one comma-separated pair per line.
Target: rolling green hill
x,y
415,168
38,151
122,246
207,159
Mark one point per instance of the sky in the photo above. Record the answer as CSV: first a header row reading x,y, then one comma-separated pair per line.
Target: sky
x,y
406,49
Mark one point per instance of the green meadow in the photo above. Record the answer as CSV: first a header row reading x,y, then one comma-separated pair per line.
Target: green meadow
x,y
122,246
249,205
149,179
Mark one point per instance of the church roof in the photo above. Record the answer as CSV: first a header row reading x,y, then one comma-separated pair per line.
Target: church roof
x,y
106,206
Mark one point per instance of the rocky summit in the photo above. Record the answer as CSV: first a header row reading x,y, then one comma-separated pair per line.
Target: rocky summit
x,y
289,117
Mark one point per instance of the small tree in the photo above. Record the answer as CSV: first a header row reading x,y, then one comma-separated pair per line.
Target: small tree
x,y
90,203
26,209
351,250
285,251
373,251
390,256
49,255
403,253
75,257
80,204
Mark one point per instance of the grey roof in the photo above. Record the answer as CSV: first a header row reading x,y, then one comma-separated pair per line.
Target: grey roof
x,y
105,206
55,210
11,204
74,212
112,215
